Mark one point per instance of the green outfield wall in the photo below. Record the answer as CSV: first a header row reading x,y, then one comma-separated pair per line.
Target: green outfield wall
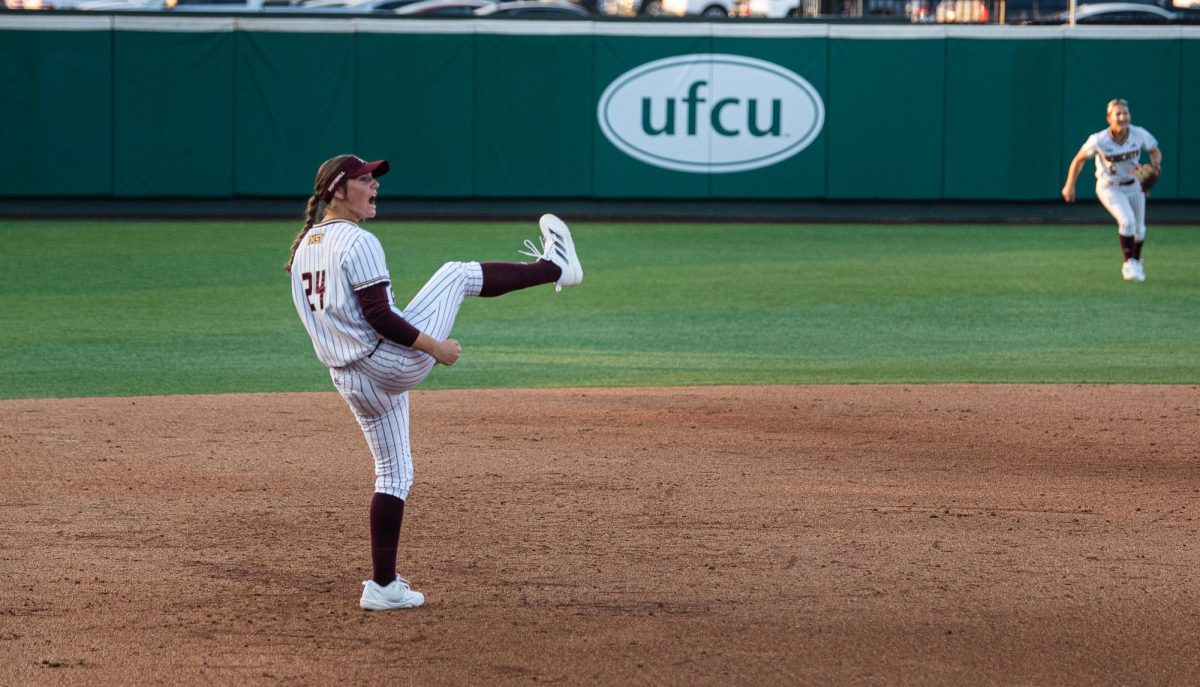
x,y
220,107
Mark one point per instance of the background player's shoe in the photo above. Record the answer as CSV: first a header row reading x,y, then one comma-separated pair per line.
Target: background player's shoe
x,y
559,248
1139,272
396,595
1127,271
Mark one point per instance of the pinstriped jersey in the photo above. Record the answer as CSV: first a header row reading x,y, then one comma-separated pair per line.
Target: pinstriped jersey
x,y
335,259
1114,161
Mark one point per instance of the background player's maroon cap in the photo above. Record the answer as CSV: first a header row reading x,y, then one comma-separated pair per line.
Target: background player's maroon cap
x,y
350,168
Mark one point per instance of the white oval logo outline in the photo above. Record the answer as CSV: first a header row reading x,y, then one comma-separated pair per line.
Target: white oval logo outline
x,y
802,85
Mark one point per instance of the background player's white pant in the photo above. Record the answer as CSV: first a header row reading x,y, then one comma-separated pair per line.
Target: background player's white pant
x,y
1127,205
376,387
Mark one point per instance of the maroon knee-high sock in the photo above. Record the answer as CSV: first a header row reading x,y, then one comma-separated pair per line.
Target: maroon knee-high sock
x,y
1126,245
1137,250
387,512
501,277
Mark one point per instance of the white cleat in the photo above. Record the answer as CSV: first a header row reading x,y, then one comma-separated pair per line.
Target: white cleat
x,y
1139,272
559,248
396,595
1127,271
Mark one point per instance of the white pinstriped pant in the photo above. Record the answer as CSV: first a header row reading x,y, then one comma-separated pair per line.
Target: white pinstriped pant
x,y
376,387
1127,205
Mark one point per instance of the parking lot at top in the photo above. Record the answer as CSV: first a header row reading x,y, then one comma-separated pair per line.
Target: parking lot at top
x,y
908,11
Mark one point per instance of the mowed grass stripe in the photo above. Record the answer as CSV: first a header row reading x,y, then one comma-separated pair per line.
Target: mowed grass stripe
x,y
131,308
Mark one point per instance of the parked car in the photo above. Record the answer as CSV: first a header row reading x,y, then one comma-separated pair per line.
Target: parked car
x,y
631,8
776,9
527,9
355,6
443,8
1039,11
1024,11
233,6
126,5
785,9
43,4
218,5
1113,13
920,11
701,8
885,8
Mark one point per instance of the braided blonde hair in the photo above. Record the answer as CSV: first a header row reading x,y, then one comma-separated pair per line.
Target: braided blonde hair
x,y
316,207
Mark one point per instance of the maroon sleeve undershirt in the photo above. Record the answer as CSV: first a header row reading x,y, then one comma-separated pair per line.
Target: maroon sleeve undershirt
x,y
374,303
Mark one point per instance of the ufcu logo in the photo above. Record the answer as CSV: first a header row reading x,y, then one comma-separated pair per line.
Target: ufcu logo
x,y
691,104
734,114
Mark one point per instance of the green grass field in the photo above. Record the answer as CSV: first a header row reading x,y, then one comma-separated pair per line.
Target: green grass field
x,y
129,308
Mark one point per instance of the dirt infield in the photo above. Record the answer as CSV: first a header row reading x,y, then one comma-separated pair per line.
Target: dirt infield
x,y
813,535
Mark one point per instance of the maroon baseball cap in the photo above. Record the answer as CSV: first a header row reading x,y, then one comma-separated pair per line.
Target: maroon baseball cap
x,y
351,168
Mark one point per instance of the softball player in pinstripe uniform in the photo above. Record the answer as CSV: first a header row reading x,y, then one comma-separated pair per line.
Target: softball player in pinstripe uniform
x,y
375,355
1116,151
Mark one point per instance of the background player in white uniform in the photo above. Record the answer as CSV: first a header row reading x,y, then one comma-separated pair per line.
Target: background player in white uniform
x,y
342,292
1116,151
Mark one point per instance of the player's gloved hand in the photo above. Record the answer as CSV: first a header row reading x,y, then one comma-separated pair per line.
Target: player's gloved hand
x,y
1147,175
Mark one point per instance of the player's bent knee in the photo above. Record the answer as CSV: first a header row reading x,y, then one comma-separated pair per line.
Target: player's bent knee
x,y
1125,229
458,268
450,272
468,274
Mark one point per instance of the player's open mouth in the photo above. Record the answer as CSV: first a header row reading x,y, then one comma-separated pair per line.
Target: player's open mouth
x,y
371,200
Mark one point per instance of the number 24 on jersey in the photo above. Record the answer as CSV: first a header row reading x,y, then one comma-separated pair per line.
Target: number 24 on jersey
x,y
314,285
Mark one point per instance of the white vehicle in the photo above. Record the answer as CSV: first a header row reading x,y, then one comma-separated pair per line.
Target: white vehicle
x,y
354,6
526,9
1114,13
217,6
702,8
443,8
776,9
126,5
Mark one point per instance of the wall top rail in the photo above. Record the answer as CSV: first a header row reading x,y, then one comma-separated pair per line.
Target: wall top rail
x,y
301,24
